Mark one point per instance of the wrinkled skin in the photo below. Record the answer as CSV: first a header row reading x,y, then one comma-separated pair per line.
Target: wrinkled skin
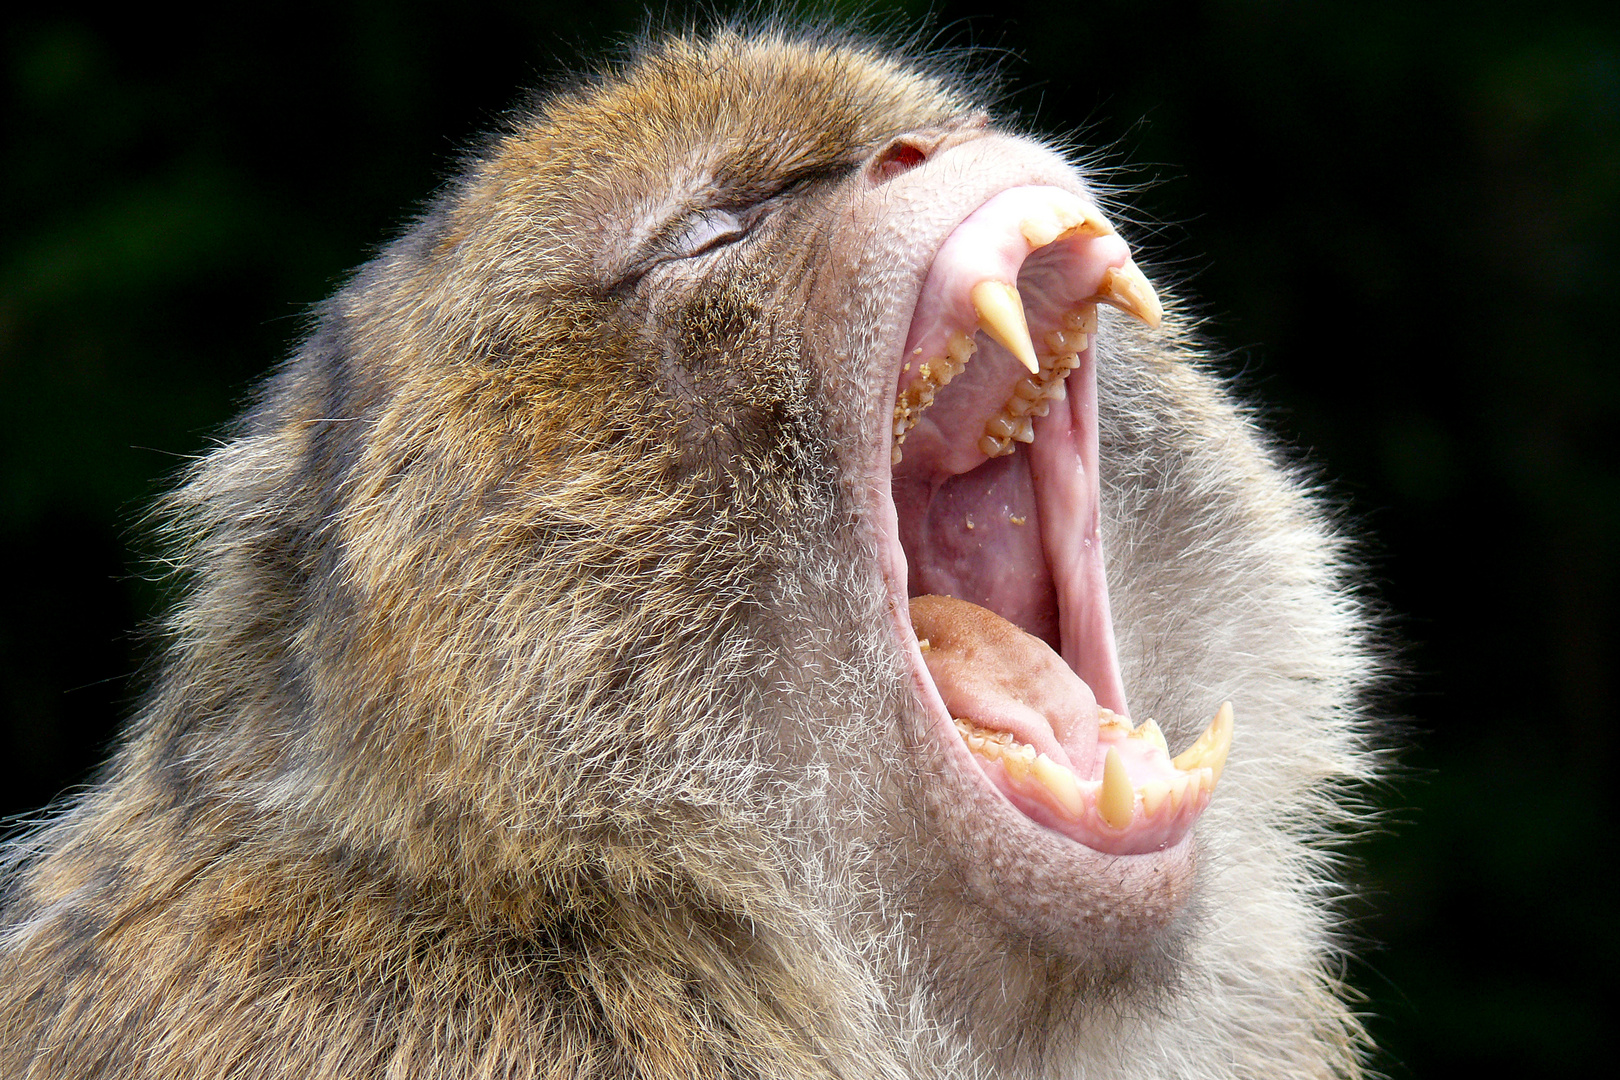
x,y
543,703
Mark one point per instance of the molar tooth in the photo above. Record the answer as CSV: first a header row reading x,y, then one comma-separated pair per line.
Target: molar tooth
x,y
1065,342
999,427
1060,782
993,447
1126,288
1017,406
1024,430
1210,749
1082,319
1116,800
1001,315
1112,723
960,348
1150,732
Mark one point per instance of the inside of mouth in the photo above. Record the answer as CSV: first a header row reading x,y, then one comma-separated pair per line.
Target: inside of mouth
x,y
996,498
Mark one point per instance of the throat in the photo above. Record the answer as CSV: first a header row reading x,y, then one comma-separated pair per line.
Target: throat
x,y
976,536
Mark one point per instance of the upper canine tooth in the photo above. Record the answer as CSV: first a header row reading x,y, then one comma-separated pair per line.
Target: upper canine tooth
x,y
1209,751
1127,289
1001,314
1116,799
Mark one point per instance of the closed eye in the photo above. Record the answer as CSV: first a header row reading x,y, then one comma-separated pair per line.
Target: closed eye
x,y
706,230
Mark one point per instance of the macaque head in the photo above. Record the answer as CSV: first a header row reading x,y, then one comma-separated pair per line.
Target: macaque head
x,y
742,434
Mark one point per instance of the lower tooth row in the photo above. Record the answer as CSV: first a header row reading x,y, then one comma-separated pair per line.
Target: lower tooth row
x,y
931,375
1116,798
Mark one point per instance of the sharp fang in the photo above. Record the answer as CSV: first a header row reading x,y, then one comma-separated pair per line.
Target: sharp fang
x,y
1127,289
1209,752
1001,315
1150,731
1116,801
1060,782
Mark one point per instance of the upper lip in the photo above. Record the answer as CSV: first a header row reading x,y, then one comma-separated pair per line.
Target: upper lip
x,y
972,286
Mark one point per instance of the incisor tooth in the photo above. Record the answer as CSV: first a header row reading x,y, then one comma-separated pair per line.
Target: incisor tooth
x,y
1116,800
1153,795
1040,229
1001,314
1209,752
1127,289
1178,792
1060,782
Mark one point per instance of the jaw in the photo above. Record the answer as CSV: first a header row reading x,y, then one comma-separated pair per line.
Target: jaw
x,y
1062,816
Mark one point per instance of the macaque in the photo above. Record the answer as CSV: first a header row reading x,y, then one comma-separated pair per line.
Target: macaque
x,y
755,582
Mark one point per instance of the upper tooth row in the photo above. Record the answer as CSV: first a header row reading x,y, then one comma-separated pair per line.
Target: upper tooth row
x,y
931,375
1001,316
1033,396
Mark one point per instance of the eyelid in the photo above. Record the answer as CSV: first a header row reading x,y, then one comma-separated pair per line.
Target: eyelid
x,y
708,229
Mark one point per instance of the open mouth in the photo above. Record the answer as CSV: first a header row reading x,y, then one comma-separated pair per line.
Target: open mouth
x,y
995,487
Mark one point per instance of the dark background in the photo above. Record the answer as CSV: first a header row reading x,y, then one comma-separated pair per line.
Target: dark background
x,y
1401,217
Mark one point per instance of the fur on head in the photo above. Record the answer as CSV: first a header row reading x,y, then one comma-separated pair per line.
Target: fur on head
x,y
545,701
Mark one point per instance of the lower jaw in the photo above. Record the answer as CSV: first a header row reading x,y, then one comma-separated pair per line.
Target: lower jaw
x,y
1038,882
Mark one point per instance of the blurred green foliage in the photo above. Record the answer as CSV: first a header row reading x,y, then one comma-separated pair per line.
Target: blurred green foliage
x,y
1401,220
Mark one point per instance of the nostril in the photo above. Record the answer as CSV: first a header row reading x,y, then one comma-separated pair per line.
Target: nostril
x,y
900,156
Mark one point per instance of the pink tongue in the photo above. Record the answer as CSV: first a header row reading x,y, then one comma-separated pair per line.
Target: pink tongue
x,y
990,672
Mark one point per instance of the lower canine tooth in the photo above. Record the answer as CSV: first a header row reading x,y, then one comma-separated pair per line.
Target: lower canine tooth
x,y
1060,782
1210,749
1116,799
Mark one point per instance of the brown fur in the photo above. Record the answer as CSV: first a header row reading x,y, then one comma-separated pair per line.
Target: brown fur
x,y
531,711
